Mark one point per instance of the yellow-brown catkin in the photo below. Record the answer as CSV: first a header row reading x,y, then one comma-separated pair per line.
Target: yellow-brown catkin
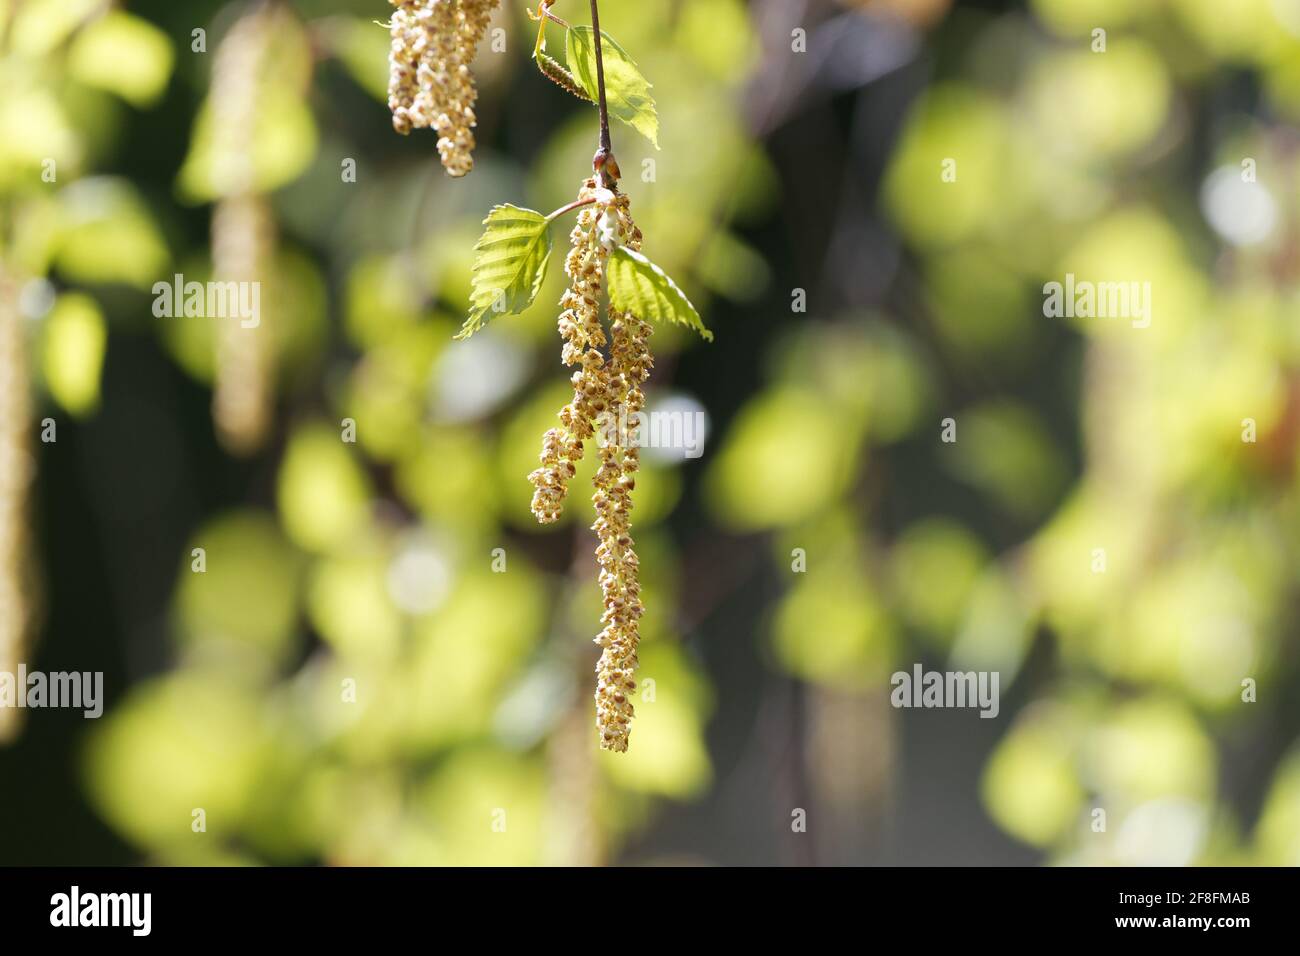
x,y
16,468
630,362
584,338
429,83
243,245
619,567
243,237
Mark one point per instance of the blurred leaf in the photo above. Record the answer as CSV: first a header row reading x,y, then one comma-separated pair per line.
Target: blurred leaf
x,y
73,357
323,493
182,742
1103,106
34,130
934,567
466,652
832,628
110,235
485,807
245,600
350,606
627,92
954,123
124,55
1030,785
1277,835
761,477
1003,449
730,267
720,36
639,286
362,47
1150,748
380,300
510,265
41,25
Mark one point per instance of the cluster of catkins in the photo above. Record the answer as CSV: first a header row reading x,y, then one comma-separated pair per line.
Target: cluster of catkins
x,y
243,232
607,399
429,80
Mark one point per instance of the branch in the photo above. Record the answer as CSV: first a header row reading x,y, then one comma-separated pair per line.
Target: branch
x,y
576,204
604,163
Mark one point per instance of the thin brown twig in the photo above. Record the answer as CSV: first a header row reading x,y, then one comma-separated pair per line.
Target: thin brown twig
x,y
576,204
604,162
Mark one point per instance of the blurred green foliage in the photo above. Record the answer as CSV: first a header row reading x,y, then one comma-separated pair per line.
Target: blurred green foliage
x,y
354,681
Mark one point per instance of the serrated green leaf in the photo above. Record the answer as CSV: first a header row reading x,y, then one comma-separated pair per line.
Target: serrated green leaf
x,y
627,91
639,286
509,265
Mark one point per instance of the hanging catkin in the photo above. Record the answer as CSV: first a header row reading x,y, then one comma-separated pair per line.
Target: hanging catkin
x,y
584,338
243,235
15,480
243,244
430,84
620,584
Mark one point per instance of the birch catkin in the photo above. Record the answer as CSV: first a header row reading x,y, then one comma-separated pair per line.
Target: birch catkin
x,y
584,338
15,480
620,583
429,83
243,244
242,236
619,566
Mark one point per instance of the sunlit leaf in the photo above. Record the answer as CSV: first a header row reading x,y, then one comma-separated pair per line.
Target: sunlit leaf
x,y
111,235
41,25
242,606
639,286
509,265
73,357
627,91
192,739
323,493
124,55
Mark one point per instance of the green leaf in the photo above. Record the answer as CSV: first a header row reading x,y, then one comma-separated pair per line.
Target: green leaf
x,y
124,55
73,354
639,286
509,266
627,92
109,235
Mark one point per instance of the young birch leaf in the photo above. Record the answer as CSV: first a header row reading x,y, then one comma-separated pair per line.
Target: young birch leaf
x,y
509,266
627,92
639,286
